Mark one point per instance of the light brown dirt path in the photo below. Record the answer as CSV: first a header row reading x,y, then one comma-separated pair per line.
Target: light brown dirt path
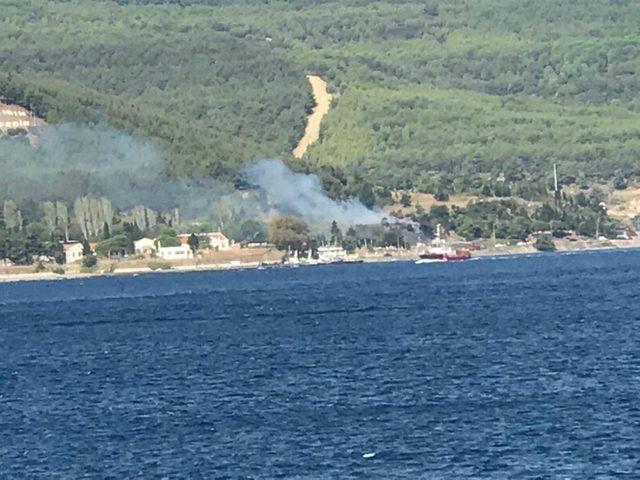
x,y
323,102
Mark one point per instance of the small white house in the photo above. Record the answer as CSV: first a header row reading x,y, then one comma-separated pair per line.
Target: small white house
x,y
217,240
144,246
175,253
73,252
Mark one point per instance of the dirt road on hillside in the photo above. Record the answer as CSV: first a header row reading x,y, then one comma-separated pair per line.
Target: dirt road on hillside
x,y
323,102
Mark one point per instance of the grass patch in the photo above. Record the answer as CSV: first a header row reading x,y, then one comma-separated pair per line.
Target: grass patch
x,y
159,266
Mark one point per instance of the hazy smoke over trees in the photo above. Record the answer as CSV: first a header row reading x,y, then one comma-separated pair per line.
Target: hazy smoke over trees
x,y
302,195
71,162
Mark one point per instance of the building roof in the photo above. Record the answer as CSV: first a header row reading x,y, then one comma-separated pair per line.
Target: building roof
x,y
71,245
144,241
217,235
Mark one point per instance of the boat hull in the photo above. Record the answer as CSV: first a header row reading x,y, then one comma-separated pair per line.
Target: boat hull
x,y
422,261
443,257
457,256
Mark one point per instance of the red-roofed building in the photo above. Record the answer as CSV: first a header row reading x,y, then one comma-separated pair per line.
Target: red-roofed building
x,y
218,240
73,252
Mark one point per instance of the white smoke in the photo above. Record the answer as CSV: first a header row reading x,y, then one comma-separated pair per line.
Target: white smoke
x,y
71,161
302,195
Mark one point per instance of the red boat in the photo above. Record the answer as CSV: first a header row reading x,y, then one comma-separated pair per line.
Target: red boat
x,y
439,251
458,256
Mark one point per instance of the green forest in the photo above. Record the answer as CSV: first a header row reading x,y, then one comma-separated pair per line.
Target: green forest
x,y
462,87
434,96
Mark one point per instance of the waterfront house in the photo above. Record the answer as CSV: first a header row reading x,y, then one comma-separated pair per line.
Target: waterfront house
x,y
184,238
215,240
175,253
144,246
73,251
218,240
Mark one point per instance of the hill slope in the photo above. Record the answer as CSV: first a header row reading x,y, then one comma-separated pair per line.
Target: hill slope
x,y
432,95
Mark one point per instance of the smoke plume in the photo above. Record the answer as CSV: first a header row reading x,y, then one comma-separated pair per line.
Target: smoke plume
x,y
71,161
302,195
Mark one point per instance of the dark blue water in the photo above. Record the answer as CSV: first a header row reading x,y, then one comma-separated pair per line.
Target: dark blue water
x,y
508,368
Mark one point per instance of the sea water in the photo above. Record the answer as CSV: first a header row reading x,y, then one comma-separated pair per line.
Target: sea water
x,y
493,368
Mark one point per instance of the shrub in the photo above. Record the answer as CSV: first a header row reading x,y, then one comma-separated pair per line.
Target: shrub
x,y
159,266
544,243
89,261
441,196
620,183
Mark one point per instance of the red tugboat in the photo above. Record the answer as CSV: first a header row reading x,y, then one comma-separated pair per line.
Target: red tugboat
x,y
439,251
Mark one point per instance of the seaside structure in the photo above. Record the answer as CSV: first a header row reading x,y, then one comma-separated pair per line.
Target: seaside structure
x,y
218,241
215,240
73,252
175,253
331,253
144,246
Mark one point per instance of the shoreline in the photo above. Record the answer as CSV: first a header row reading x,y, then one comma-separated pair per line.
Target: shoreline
x,y
505,252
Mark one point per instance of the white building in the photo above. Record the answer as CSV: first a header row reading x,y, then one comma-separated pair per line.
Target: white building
x,y
73,252
144,246
331,253
175,253
215,240
218,240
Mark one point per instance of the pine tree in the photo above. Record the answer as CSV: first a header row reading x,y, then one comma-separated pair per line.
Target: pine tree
x,y
194,243
336,233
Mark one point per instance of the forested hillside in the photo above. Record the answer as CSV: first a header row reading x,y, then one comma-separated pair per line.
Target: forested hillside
x,y
435,95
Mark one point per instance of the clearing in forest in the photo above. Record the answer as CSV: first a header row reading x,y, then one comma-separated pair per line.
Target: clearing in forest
x,y
322,103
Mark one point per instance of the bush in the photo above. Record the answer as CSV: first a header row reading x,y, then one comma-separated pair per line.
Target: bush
x,y
441,196
58,271
159,266
168,241
113,246
620,183
89,261
544,243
